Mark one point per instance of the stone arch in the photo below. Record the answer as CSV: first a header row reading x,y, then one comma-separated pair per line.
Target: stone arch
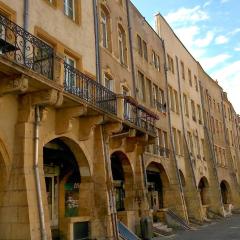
x,y
68,184
225,192
158,186
123,180
77,147
203,188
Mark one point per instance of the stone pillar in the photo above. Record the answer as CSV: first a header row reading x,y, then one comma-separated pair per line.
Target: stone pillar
x,y
19,210
101,223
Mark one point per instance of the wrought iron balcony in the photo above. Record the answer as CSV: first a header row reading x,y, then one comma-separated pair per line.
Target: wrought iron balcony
x,y
25,49
79,84
139,116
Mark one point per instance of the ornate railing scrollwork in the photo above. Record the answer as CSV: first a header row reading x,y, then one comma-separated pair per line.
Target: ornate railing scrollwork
x,y
25,49
79,84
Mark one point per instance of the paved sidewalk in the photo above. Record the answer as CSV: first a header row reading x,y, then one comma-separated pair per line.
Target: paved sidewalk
x,y
226,229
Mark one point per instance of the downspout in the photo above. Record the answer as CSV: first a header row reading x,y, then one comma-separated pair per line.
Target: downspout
x,y
131,50
36,142
171,133
105,144
96,33
26,15
37,174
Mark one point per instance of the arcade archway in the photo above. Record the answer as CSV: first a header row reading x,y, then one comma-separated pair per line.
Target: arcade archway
x,y
225,191
65,175
122,174
157,183
203,188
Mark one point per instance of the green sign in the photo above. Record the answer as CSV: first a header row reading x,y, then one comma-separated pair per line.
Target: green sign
x,y
71,199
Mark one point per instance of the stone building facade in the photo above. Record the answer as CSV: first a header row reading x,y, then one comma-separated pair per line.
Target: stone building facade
x,y
102,120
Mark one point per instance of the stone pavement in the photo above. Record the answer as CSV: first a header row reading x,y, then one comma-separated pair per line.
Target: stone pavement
x,y
225,229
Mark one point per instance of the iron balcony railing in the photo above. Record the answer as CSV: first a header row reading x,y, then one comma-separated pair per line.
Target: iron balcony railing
x,y
139,116
79,84
22,47
25,49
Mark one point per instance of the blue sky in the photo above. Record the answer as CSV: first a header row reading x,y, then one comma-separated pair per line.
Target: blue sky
x,y
210,30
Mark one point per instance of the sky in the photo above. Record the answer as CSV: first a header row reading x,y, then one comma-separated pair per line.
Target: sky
x,y
210,30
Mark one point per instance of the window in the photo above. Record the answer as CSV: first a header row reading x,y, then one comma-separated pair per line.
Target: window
x,y
149,92
161,96
105,29
155,94
108,82
199,114
3,28
175,140
180,142
69,8
170,90
139,42
141,86
182,70
213,125
176,101
193,110
145,51
190,77
158,63
190,142
165,140
196,82
202,142
217,127
122,45
170,64
197,144
155,60
70,79
185,101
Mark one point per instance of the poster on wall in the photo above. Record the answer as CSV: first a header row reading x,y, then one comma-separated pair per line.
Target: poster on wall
x,y
71,199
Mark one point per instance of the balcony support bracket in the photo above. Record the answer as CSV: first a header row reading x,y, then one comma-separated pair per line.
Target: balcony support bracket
x,y
87,125
13,85
66,116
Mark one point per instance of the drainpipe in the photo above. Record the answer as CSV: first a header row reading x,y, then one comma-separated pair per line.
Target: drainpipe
x,y
171,133
37,175
25,15
131,49
105,144
96,32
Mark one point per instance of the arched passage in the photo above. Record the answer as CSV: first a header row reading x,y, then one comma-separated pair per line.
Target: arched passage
x,y
123,181
66,177
225,191
158,184
203,188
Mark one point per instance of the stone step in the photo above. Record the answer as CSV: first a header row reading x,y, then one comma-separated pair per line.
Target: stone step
x,y
162,229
